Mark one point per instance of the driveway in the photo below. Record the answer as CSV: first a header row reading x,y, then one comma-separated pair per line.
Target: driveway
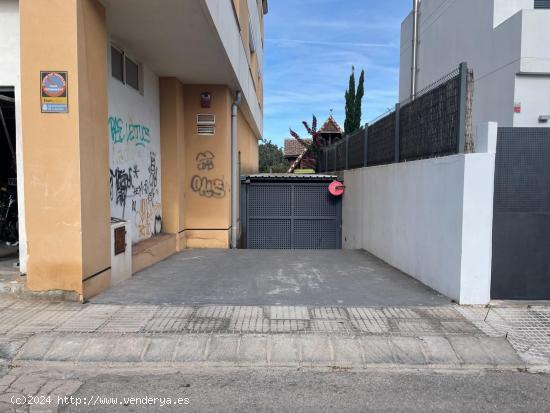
x,y
273,277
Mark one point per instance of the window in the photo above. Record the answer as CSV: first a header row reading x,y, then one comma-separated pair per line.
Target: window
x,y
117,63
125,69
132,73
542,4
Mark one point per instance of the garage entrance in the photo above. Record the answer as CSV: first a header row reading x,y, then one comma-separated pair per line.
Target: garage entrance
x,y
9,230
521,219
290,211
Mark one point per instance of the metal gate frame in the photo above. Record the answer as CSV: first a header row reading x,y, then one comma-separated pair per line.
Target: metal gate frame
x,y
319,181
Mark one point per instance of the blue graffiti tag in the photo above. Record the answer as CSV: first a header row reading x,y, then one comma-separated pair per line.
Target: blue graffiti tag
x,y
128,132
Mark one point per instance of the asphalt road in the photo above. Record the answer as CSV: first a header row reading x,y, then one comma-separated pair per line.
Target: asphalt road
x,y
246,390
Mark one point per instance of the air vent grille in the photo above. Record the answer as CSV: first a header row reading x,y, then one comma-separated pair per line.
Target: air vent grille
x,y
206,129
206,119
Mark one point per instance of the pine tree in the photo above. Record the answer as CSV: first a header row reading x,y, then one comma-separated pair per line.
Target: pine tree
x,y
350,104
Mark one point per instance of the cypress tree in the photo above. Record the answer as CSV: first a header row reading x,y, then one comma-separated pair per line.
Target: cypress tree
x,y
350,104
358,100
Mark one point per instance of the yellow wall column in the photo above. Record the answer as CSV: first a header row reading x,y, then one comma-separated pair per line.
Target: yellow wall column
x,y
172,147
208,170
66,154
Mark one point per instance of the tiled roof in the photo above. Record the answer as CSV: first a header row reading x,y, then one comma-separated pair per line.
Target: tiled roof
x,y
293,147
330,126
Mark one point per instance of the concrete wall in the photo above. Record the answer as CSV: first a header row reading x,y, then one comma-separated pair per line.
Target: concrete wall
x,y
10,75
497,38
432,219
134,154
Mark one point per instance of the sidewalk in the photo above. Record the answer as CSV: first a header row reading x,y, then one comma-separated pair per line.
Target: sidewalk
x,y
452,337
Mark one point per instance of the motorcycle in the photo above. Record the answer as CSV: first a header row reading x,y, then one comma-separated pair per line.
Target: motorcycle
x,y
9,226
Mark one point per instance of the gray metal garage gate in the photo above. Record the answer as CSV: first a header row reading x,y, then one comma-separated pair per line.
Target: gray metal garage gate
x,y
290,211
521,220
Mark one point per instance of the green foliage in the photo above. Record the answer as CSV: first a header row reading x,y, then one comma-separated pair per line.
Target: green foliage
x,y
272,158
354,100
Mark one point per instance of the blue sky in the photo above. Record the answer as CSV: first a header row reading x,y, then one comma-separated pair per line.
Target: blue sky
x,y
310,47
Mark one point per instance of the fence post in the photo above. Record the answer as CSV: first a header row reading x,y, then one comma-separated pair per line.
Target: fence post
x,y
463,97
347,153
397,132
325,154
335,155
366,149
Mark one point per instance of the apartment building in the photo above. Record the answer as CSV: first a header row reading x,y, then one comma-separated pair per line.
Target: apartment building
x,y
506,44
139,111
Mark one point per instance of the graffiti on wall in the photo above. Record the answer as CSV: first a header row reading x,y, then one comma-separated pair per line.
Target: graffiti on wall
x,y
134,177
205,186
205,161
134,133
208,188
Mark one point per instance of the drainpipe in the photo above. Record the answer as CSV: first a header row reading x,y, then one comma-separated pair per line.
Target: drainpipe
x,y
414,65
234,170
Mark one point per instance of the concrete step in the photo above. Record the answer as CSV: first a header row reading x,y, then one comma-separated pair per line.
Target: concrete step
x,y
261,350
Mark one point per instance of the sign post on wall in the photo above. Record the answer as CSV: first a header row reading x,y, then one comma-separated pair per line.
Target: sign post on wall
x,y
54,94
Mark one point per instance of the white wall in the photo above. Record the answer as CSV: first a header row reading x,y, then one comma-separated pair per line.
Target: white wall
x,y
497,38
134,154
432,219
225,23
10,76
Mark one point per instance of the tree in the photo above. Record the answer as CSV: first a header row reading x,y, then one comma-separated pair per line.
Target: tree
x,y
271,158
354,102
310,156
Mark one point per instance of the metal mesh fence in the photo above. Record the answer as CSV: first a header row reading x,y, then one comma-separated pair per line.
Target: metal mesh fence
x,y
428,125
356,149
341,155
381,141
438,122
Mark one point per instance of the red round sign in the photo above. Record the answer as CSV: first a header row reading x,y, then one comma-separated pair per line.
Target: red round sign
x,y
54,85
336,188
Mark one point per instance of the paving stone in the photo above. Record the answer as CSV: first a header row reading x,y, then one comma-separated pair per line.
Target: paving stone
x,y
28,384
97,349
377,350
128,349
347,351
253,350
329,313
283,350
36,347
439,351
50,386
7,380
288,313
68,388
66,348
470,351
7,397
9,349
191,347
160,349
330,326
408,350
315,350
288,326
215,311
223,349
501,351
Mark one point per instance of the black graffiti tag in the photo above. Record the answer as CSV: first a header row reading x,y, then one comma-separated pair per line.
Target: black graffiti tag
x,y
208,188
121,182
205,161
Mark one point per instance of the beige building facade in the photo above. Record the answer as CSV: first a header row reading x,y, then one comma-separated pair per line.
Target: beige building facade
x,y
142,131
